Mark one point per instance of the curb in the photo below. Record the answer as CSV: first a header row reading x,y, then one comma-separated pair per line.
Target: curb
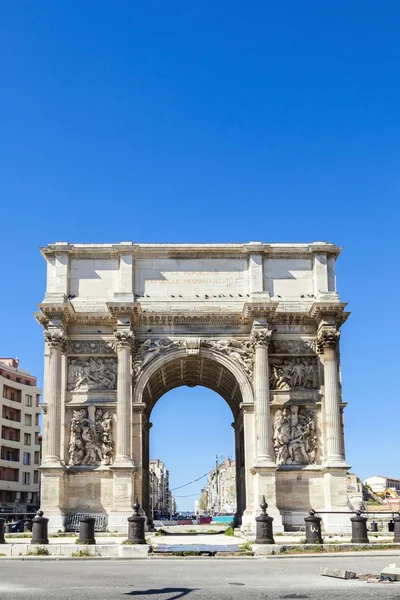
x,y
366,554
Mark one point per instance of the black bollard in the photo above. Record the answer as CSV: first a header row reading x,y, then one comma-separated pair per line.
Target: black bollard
x,y
136,526
2,540
39,529
396,527
264,532
374,526
86,530
359,533
313,529
391,526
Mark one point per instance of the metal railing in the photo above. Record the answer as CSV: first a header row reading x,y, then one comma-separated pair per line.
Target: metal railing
x,y
100,524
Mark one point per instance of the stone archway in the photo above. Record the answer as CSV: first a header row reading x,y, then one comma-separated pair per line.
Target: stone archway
x,y
187,367
258,323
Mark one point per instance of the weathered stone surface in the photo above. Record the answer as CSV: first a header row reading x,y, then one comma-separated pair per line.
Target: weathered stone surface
x,y
339,573
265,549
135,551
391,571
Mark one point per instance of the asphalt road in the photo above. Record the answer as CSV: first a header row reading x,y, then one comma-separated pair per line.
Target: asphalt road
x,y
193,579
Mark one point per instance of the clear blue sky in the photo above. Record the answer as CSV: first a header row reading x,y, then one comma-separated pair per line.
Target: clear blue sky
x,y
210,122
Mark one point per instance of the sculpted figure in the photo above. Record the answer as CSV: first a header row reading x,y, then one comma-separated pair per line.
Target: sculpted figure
x,y
281,437
294,437
92,447
104,432
238,350
90,442
148,351
287,374
76,445
92,374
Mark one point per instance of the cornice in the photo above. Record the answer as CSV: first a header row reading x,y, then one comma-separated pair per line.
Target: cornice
x,y
252,310
323,310
181,251
57,307
119,310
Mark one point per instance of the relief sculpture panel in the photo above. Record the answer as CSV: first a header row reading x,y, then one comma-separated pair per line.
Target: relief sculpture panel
x,y
295,439
240,351
92,373
149,349
91,442
290,373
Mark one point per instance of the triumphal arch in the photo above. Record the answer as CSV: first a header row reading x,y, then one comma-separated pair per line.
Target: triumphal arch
x,y
258,323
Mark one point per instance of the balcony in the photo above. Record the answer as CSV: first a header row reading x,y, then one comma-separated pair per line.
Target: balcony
x,y
11,475
11,454
11,414
12,394
10,434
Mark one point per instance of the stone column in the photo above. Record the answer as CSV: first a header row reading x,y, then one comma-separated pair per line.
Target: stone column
x,y
261,339
123,467
124,339
56,341
327,341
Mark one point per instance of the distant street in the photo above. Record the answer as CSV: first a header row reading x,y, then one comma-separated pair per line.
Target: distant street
x,y
194,579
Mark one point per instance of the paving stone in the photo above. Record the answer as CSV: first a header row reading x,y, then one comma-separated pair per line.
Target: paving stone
x,y
339,573
391,571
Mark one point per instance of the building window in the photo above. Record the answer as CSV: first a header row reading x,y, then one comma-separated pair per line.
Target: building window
x,y
28,420
26,478
37,458
36,477
37,420
28,400
27,458
18,379
27,439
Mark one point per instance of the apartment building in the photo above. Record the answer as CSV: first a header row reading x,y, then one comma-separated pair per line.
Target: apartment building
x,y
161,502
220,492
19,442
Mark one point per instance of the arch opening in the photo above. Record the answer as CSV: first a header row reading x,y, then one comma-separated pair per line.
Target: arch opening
x,y
193,371
191,430
208,370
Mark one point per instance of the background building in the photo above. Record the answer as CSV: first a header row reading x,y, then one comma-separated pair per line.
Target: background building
x,y
19,442
379,483
162,504
219,495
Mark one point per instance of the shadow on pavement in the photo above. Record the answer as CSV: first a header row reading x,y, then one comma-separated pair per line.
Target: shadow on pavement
x,y
180,592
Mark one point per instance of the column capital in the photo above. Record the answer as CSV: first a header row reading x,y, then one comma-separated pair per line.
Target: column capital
x,y
327,337
56,338
261,337
124,338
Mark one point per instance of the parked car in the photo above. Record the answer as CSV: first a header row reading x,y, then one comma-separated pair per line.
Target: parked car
x,y
18,526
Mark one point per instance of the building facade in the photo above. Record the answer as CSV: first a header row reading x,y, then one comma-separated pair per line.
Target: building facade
x,y
161,501
258,323
19,444
379,484
220,490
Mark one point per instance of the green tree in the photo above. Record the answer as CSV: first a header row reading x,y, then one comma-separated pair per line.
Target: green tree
x,y
203,502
